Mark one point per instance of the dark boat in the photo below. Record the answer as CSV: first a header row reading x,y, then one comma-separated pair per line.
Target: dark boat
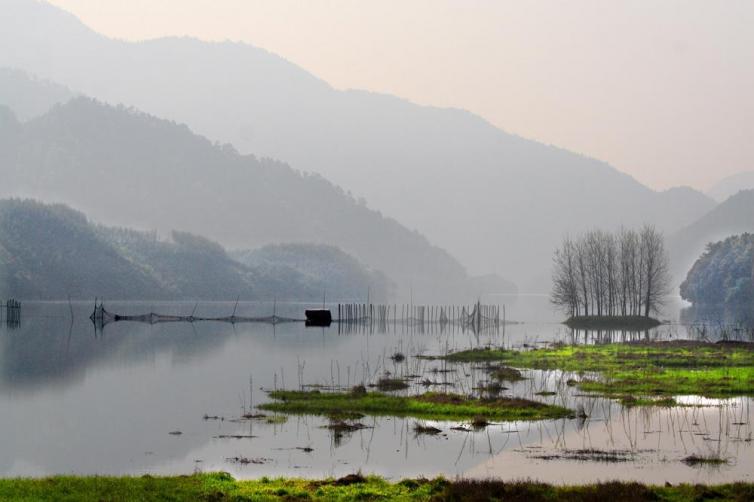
x,y
318,317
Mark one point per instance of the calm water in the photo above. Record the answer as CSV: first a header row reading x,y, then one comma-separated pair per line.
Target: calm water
x,y
76,400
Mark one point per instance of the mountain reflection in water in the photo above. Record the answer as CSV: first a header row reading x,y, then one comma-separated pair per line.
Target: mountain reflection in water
x,y
78,400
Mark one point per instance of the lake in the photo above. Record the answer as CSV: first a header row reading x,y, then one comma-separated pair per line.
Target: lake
x,y
134,398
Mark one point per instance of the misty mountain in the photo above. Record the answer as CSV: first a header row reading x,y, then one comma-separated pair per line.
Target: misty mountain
x,y
732,185
52,251
732,217
497,201
127,168
30,97
322,264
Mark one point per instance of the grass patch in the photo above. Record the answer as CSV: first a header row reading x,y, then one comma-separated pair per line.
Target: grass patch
x,y
612,322
221,486
420,429
492,388
698,460
344,427
506,374
389,384
429,406
479,422
636,370
589,455
661,402
276,420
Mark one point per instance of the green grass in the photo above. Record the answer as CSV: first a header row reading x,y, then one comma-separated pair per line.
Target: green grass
x,y
430,406
695,460
616,322
643,369
221,486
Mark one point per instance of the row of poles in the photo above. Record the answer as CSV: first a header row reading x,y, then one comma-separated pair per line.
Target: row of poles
x,y
478,317
12,312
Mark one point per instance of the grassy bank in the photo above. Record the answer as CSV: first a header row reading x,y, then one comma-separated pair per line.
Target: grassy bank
x,y
612,322
220,486
430,406
640,369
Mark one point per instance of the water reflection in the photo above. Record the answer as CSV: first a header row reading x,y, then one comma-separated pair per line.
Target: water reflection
x,y
646,444
740,316
73,399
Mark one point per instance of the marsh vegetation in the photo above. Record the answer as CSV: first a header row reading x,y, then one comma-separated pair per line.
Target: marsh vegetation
x,y
523,406
430,405
221,486
638,370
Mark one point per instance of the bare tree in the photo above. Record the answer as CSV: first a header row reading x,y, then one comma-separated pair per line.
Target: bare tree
x,y
657,276
606,274
565,290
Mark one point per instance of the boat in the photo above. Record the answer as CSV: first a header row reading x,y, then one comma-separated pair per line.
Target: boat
x,y
318,317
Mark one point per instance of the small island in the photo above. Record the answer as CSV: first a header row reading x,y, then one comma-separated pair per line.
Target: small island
x,y
606,280
429,406
612,322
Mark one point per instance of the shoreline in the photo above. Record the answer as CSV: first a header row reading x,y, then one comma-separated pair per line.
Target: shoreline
x,y
222,486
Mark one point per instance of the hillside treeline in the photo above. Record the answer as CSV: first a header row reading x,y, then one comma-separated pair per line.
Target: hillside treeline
x,y
51,252
611,274
155,174
723,275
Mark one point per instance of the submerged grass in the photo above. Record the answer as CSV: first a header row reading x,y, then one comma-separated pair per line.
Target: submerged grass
x,y
389,384
696,460
715,370
506,374
430,405
221,486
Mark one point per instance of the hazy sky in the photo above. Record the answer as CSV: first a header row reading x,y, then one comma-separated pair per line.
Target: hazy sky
x,y
663,90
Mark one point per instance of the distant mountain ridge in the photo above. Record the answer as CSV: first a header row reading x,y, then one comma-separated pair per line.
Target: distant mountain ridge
x,y
51,252
732,217
130,169
731,185
30,97
326,265
497,201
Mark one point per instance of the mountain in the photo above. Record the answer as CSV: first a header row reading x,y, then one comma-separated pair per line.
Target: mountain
x,y
52,252
322,264
30,97
127,168
498,202
732,217
731,185
723,274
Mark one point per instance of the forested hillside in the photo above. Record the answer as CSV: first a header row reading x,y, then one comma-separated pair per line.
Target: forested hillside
x,y
126,168
723,275
734,216
321,264
50,252
53,252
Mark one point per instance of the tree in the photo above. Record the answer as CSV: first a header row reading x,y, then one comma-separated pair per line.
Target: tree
x,y
608,274
565,278
724,275
656,267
